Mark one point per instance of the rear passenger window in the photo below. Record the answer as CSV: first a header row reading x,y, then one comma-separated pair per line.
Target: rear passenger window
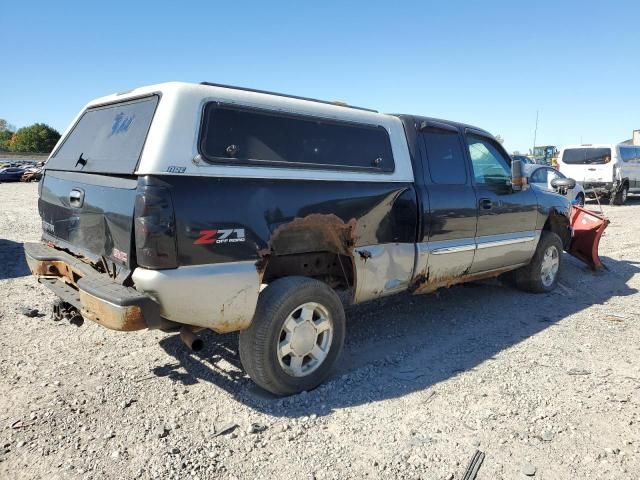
x,y
445,157
238,135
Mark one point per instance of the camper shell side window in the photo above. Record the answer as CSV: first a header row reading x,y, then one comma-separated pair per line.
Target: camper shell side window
x,y
250,136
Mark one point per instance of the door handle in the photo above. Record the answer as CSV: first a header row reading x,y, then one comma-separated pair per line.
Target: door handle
x,y
76,197
486,203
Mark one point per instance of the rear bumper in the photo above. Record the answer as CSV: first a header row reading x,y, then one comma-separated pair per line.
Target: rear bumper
x,y
598,188
221,297
96,295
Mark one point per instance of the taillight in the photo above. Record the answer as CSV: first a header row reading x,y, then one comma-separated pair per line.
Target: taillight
x,y
155,230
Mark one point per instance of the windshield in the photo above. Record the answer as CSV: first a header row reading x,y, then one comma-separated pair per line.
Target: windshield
x,y
522,158
586,156
107,139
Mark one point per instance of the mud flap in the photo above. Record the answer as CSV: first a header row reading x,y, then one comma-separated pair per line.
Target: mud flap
x,y
587,228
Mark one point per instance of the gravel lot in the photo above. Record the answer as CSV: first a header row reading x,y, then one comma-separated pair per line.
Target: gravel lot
x,y
547,386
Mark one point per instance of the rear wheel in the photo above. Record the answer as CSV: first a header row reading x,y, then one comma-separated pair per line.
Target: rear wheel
x,y
541,274
296,336
620,196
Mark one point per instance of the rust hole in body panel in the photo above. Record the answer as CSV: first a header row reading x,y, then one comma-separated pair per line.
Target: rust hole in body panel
x,y
313,233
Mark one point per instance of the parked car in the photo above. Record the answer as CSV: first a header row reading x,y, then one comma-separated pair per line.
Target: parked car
x,y
542,177
4,165
31,174
11,174
524,159
607,170
263,205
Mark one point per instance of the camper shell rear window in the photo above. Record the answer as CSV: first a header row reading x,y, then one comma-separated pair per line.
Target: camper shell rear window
x,y
107,138
239,135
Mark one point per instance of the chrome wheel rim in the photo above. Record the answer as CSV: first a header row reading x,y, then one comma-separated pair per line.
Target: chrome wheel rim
x,y
305,339
624,195
550,264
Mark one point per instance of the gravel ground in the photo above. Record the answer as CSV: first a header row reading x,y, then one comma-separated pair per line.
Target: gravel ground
x,y
547,386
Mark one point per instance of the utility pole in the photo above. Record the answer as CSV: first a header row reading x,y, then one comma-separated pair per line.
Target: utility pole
x,y
535,134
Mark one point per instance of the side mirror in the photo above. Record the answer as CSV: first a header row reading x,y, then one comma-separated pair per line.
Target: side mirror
x,y
563,183
518,179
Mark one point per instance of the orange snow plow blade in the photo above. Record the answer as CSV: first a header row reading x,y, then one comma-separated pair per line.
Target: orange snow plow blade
x,y
587,227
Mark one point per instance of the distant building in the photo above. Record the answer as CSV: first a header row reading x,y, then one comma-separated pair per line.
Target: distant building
x,y
634,140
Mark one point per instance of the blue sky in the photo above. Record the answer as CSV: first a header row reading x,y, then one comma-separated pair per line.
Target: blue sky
x,y
491,63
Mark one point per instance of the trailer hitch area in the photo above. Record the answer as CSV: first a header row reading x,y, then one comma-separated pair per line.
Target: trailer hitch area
x,y
66,311
588,227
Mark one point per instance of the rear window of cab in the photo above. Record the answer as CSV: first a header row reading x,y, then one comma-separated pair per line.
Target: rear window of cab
x,y
235,135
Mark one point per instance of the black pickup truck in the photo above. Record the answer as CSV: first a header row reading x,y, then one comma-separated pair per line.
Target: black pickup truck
x,y
201,206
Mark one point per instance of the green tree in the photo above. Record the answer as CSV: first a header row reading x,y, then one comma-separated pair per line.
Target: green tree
x,y
4,125
6,132
36,138
5,138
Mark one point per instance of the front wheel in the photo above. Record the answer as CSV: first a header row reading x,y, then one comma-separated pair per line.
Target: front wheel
x,y
541,274
580,199
296,335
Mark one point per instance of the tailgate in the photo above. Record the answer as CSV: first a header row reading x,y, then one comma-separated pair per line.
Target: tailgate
x,y
90,213
88,192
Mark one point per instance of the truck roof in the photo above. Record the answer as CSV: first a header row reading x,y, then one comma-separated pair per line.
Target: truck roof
x,y
172,139
331,106
436,122
591,145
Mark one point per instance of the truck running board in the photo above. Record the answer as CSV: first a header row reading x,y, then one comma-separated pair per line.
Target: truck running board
x,y
588,227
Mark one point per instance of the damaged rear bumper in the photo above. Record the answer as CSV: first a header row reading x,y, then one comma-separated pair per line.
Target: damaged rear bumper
x,y
221,297
95,295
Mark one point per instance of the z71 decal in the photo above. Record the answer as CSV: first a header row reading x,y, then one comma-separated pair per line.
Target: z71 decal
x,y
231,235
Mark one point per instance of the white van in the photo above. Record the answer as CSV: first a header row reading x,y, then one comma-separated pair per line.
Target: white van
x,y
607,170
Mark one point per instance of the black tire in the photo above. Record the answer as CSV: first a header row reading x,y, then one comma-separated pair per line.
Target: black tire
x,y
620,196
580,199
259,343
530,277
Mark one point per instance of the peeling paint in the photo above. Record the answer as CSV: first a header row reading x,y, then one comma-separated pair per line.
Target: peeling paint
x,y
313,233
305,234
428,283
115,317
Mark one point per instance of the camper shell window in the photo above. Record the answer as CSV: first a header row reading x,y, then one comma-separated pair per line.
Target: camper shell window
x,y
236,135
